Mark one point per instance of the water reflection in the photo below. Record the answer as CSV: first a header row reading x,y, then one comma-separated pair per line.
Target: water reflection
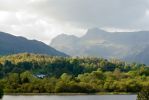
x,y
87,97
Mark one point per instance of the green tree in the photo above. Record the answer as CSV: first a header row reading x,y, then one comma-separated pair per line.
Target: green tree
x,y
144,94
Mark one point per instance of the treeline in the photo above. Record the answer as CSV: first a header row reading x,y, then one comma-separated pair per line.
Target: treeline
x,y
70,75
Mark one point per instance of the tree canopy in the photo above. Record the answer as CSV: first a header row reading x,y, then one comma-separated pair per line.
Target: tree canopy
x,y
70,74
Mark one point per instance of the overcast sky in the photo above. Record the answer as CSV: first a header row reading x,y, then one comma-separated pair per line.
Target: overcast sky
x,y
45,19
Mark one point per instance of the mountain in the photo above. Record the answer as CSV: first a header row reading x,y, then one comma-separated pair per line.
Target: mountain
x,y
141,57
10,44
66,43
99,43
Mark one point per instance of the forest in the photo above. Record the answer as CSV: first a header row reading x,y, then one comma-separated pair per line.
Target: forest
x,y
19,74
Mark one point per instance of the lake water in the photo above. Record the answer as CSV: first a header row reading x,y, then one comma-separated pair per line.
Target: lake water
x,y
81,97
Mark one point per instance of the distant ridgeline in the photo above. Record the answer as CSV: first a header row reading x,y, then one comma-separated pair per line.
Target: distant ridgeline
x,y
70,74
10,44
129,46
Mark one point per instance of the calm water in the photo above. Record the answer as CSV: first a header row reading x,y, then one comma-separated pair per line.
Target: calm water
x,y
90,97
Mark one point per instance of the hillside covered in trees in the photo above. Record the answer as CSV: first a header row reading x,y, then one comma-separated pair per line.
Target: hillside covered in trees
x,y
19,72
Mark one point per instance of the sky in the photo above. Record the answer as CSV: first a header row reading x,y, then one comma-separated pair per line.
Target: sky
x,y
45,19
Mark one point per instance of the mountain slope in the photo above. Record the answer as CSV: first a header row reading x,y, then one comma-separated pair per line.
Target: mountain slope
x,y
10,44
100,43
141,57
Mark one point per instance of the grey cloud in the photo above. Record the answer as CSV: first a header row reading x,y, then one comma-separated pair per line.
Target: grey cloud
x,y
85,13
102,13
71,15
13,5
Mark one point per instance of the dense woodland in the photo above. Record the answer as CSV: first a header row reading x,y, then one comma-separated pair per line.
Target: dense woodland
x,y
70,74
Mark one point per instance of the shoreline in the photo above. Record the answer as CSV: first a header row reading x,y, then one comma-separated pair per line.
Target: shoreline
x,y
70,94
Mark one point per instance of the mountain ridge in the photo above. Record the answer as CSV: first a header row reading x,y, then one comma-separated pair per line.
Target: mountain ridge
x,y
100,43
10,44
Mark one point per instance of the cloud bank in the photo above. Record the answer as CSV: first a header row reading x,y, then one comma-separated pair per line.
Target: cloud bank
x,y
45,19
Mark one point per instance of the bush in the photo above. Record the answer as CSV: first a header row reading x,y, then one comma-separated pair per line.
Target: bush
x,y
144,94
